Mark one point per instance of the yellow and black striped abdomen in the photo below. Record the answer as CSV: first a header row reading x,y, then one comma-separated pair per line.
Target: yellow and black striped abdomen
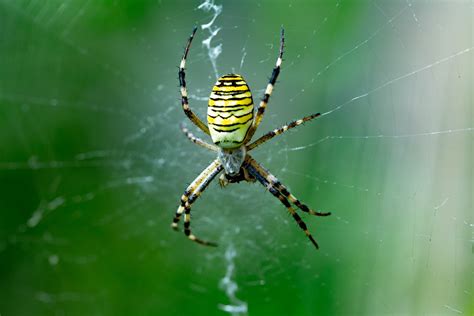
x,y
230,111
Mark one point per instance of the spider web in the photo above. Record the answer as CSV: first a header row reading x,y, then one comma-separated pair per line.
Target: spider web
x,y
93,162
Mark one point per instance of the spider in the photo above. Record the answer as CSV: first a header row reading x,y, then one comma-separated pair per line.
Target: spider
x,y
231,125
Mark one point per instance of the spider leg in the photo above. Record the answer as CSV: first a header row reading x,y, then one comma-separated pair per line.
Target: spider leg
x,y
283,190
251,166
281,130
190,195
191,189
268,90
184,94
197,140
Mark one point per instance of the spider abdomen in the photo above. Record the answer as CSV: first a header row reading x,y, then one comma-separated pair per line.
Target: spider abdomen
x,y
230,111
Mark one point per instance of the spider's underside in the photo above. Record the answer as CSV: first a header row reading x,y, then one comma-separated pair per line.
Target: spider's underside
x,y
232,122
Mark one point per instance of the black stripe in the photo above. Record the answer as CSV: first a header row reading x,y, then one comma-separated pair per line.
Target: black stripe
x,y
230,111
230,99
233,124
274,76
231,92
232,83
236,90
181,76
260,111
231,106
226,106
279,196
227,111
224,131
230,76
237,116
233,79
245,114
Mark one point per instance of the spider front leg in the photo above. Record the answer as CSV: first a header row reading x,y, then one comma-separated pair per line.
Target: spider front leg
x,y
266,180
192,192
268,90
184,94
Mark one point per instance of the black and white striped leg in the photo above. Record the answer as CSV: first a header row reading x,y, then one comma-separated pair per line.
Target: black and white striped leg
x,y
281,130
268,90
187,228
184,93
273,190
283,190
204,178
197,140
195,190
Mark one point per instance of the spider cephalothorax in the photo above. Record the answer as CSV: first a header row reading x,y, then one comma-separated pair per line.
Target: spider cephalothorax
x,y
232,122
232,159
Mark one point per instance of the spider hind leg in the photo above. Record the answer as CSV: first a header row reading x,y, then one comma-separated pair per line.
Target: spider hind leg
x,y
191,194
187,228
268,181
274,182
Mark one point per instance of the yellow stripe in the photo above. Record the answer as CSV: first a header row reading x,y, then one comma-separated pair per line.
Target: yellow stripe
x,y
231,88
246,94
225,103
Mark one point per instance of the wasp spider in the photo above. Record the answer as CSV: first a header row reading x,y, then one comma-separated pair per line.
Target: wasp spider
x,y
231,125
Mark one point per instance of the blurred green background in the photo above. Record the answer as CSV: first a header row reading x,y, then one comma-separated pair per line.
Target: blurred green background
x,y
92,161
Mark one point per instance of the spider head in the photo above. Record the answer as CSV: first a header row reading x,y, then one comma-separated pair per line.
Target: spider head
x,y
232,159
